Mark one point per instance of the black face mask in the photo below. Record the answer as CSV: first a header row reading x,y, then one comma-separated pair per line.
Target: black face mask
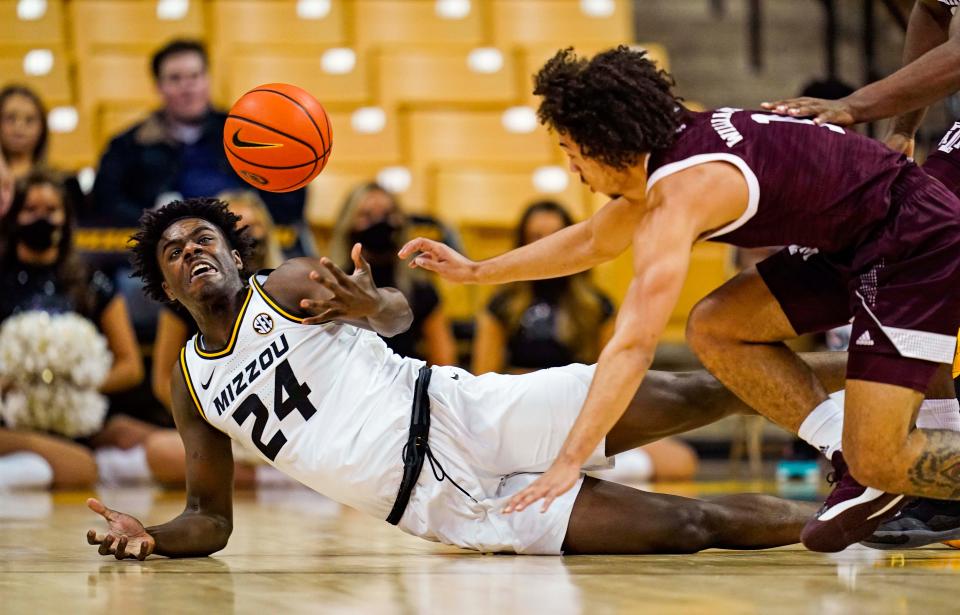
x,y
379,238
551,288
40,234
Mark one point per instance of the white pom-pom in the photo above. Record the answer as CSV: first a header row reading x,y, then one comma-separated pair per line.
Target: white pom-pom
x,y
53,366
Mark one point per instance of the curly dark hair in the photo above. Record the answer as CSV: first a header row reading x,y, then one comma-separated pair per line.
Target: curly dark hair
x,y
616,106
143,244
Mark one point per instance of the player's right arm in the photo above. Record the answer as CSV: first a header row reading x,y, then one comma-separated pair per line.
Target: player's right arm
x,y
576,248
931,72
207,521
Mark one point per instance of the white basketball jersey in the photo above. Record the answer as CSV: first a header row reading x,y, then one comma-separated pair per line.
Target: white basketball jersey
x,y
327,404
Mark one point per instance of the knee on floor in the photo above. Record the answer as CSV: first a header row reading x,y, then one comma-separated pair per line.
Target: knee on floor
x,y
693,530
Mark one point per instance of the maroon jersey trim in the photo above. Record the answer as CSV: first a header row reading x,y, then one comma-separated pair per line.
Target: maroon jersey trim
x,y
753,186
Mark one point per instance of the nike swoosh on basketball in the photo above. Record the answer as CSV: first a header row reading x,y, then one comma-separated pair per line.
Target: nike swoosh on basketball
x,y
207,385
238,142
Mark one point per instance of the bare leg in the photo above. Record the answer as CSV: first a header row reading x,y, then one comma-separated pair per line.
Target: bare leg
x,y
884,453
669,403
611,518
737,332
122,432
73,465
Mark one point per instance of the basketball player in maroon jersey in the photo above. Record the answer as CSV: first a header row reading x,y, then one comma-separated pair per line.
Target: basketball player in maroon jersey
x,y
871,238
931,71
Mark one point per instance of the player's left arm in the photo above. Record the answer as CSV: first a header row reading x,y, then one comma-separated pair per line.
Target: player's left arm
x,y
682,208
662,245
320,290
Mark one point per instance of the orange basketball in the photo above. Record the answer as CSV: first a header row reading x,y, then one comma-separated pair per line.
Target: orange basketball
x,y
277,137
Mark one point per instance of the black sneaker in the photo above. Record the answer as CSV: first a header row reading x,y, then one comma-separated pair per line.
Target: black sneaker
x,y
851,513
921,522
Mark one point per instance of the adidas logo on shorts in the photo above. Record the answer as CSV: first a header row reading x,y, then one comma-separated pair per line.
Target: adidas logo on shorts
x,y
864,339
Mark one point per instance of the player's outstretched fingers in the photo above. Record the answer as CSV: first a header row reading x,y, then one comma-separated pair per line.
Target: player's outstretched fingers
x,y
419,244
359,262
145,550
121,551
335,271
93,538
97,506
106,544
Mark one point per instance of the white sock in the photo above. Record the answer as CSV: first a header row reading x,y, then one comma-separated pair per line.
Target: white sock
x,y
117,466
823,427
24,470
939,414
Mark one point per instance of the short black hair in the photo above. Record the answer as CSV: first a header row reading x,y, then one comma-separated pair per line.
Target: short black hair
x,y
616,106
174,47
143,244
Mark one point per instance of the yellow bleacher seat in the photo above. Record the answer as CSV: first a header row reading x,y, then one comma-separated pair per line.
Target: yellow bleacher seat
x,y
75,149
53,87
114,120
101,26
115,80
424,76
560,22
494,197
379,22
709,268
46,30
327,193
344,90
353,147
473,136
245,26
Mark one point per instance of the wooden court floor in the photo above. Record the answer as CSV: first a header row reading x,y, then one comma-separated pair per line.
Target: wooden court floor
x,y
293,551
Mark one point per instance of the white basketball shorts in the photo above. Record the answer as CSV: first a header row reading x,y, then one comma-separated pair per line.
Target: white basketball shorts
x,y
493,435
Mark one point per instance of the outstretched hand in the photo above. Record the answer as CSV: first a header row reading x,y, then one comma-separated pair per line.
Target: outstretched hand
x,y
439,258
355,297
557,480
125,537
838,112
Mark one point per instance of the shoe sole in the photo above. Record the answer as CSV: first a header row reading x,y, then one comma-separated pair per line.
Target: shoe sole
x,y
911,540
853,524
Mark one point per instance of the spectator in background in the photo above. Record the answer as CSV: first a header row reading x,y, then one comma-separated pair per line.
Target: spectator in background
x,y
549,323
23,142
177,152
164,448
372,217
39,270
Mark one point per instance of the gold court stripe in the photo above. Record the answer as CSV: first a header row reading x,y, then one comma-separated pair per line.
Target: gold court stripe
x,y
273,303
233,337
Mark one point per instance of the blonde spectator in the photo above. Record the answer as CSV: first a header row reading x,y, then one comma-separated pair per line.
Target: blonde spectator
x,y
372,216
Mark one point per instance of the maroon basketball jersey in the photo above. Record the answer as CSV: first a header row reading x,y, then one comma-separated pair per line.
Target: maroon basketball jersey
x,y
822,187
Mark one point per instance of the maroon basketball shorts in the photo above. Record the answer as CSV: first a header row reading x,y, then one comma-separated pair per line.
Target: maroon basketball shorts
x,y
904,303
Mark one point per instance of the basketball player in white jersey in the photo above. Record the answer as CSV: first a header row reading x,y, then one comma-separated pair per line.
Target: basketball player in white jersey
x,y
330,405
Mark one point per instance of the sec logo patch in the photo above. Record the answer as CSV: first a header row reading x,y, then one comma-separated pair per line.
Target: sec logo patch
x,y
263,324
